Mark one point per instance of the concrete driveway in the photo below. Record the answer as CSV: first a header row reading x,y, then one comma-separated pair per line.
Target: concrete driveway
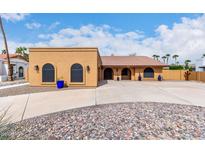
x,y
191,93
30,105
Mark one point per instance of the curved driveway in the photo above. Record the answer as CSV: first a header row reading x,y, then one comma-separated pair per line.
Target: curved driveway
x,y
35,104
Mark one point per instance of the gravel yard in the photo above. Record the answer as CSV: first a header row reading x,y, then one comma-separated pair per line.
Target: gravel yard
x,y
24,90
115,121
6,83
29,89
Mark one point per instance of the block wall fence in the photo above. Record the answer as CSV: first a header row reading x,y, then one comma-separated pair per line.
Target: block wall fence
x,y
198,76
173,74
179,75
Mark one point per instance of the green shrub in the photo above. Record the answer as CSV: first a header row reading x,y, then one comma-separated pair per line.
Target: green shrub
x,y
176,67
190,69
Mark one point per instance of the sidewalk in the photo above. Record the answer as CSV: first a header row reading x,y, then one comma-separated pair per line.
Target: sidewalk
x,y
30,105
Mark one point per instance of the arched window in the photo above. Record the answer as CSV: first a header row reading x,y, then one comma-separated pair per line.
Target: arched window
x,y
108,74
21,72
48,73
148,73
76,73
126,74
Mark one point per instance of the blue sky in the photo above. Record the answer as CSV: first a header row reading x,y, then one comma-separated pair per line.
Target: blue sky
x,y
146,23
121,34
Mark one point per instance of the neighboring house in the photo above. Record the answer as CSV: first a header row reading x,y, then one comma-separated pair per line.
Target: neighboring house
x,y
85,67
20,66
200,65
1,69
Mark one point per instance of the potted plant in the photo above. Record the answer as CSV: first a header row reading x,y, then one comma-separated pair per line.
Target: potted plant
x,y
139,77
159,78
60,83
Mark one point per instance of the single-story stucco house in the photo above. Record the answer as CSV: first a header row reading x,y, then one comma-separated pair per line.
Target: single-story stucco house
x,y
19,63
85,67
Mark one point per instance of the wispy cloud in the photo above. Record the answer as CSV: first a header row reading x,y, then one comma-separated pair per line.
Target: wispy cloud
x,y
53,25
33,25
14,16
185,38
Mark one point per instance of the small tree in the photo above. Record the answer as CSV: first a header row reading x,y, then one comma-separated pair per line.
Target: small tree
x,y
203,56
187,64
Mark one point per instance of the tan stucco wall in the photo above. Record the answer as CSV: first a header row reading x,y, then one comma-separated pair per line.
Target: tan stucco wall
x,y
99,65
157,72
26,74
201,76
174,74
135,71
63,59
197,76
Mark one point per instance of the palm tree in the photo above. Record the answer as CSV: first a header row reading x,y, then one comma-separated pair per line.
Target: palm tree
x,y
157,57
10,67
3,51
175,58
164,58
187,63
154,56
167,56
22,52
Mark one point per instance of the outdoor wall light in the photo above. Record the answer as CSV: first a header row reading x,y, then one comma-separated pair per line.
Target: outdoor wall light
x,y
36,68
88,68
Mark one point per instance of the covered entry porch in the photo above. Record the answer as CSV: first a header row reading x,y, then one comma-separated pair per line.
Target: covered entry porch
x,y
130,68
118,73
130,72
